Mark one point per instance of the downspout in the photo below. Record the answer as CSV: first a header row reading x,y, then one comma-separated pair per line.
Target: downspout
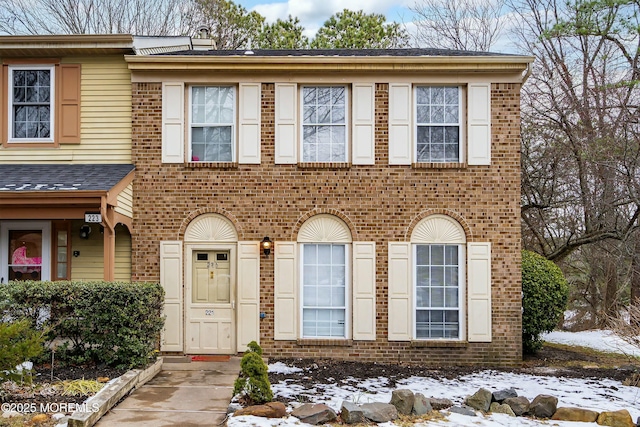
x,y
109,241
527,73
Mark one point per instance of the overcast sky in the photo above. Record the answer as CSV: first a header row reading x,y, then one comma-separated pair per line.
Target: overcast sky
x,y
313,13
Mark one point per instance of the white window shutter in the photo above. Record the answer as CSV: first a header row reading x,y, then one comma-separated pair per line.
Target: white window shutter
x,y
286,97
400,292
400,112
285,289
364,291
479,124
479,291
172,122
248,315
363,124
171,282
249,123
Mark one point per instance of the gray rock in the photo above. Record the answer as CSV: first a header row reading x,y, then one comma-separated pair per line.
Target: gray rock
x,y
440,403
463,410
543,406
501,408
519,405
379,412
315,414
351,413
421,405
233,407
403,401
480,400
499,396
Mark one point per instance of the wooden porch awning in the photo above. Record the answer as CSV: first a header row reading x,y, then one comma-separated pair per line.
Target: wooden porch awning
x,y
56,192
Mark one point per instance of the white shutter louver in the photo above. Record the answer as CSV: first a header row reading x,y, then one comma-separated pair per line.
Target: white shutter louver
x,y
171,282
364,291
286,123
363,124
172,122
249,123
248,316
285,283
479,291
400,292
479,124
400,111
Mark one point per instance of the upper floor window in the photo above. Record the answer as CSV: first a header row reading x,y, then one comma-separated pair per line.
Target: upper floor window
x,y
31,103
324,124
213,111
437,124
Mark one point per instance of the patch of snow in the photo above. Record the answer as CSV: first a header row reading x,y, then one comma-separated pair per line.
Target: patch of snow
x,y
281,368
596,339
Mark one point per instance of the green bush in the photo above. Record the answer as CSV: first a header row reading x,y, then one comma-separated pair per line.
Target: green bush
x,y
545,295
112,323
253,384
18,343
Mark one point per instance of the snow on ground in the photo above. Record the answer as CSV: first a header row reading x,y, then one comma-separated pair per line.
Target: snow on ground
x,y
595,394
596,339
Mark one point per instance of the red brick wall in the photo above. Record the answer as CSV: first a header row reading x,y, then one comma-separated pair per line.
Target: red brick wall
x,y
381,203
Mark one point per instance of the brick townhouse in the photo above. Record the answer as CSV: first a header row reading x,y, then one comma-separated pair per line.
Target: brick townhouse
x,y
345,203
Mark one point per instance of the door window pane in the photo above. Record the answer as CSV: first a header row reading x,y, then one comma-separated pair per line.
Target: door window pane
x,y
25,254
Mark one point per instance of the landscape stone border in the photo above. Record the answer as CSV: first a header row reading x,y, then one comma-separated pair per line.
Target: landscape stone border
x,y
111,394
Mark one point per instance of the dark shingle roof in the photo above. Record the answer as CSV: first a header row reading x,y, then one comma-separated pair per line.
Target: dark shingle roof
x,y
333,52
61,177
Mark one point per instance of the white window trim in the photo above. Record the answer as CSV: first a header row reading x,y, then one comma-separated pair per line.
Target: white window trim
x,y
462,111
44,226
462,313
234,126
52,101
347,289
347,122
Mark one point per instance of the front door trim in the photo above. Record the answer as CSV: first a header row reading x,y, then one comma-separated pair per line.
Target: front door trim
x,y
44,226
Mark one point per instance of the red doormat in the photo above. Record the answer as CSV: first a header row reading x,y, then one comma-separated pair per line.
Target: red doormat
x,y
218,358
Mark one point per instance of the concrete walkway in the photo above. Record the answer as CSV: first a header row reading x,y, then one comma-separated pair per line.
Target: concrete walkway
x,y
182,394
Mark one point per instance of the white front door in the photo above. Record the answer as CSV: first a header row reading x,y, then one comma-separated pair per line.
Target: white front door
x,y
25,250
210,327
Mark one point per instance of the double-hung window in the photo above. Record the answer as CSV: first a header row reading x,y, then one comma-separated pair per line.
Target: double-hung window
x,y
438,293
324,290
31,103
438,126
213,123
324,124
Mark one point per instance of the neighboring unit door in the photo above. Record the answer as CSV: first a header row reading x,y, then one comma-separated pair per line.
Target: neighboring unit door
x,y
210,316
25,250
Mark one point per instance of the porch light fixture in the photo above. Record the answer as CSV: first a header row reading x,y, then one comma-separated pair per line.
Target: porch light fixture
x,y
85,230
266,245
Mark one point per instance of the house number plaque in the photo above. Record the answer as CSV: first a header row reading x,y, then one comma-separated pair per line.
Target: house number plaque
x,y
92,217
208,312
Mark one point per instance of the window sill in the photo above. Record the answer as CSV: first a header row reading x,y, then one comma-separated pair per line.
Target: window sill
x,y
436,165
324,343
324,165
439,344
212,165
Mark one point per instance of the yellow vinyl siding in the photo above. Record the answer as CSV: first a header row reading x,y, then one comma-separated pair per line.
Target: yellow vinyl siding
x,y
125,202
123,254
105,118
89,265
